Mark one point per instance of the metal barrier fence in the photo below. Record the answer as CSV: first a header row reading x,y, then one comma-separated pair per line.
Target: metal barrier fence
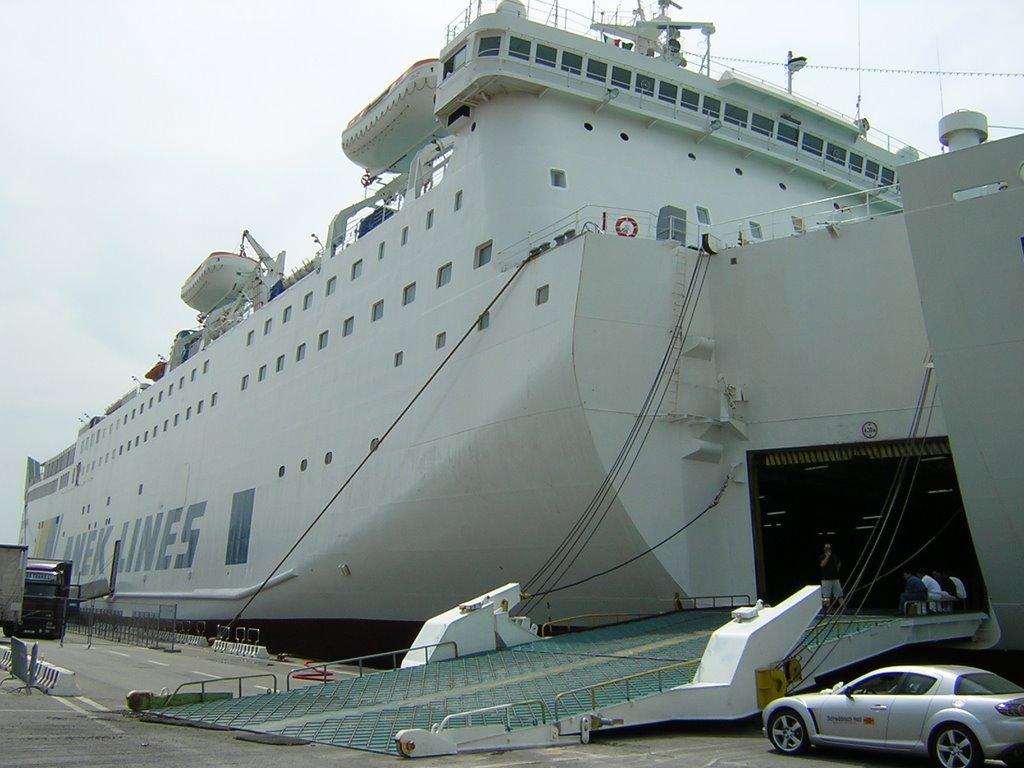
x,y
148,625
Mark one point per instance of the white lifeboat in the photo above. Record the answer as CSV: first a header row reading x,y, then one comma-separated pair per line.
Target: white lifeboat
x,y
387,133
217,281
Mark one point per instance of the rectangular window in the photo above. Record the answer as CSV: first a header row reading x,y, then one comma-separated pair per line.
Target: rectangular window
x,y
542,295
689,99
285,316
405,235
712,107
398,358
871,170
377,311
644,84
444,274
888,176
453,62
300,352
668,92
199,407
703,215
546,55
248,340
213,400
321,340
622,78
736,115
440,340
239,526
177,416
597,70
262,374
518,48
357,268
483,321
245,382
835,154
380,251
812,144
332,283
307,301
572,63
558,178
761,124
267,325
279,366
348,326
482,255
488,46
430,218
206,367
856,163
457,205
755,231
788,133
409,294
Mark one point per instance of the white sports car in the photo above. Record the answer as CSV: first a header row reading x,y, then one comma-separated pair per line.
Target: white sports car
x,y
961,716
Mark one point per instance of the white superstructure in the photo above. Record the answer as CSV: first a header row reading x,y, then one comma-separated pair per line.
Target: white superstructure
x,y
661,330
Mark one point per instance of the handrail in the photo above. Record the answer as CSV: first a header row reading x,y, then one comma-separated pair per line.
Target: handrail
x,y
564,620
593,689
444,724
203,683
678,601
358,660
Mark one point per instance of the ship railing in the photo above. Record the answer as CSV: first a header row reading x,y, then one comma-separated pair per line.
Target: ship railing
x,y
829,214
321,672
629,687
554,14
508,715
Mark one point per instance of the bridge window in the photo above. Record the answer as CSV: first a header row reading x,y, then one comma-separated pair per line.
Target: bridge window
x,y
788,133
622,78
736,115
546,55
712,107
761,124
835,154
871,169
572,63
454,61
644,84
489,46
668,92
597,70
689,99
888,176
812,144
518,48
856,163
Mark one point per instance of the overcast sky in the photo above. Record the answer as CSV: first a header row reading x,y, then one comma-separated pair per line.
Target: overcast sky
x,y
136,137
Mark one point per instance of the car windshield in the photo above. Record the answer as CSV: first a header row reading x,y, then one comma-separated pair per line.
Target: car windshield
x,y
982,683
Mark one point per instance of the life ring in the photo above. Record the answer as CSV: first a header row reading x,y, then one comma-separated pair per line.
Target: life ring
x,y
626,226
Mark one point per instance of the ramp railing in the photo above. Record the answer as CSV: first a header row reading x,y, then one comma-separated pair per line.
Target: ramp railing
x,y
321,673
587,697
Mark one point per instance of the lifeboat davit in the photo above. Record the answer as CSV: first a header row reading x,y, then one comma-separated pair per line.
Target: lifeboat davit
x,y
386,134
217,281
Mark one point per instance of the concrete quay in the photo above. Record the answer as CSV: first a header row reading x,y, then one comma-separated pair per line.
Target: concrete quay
x,y
95,730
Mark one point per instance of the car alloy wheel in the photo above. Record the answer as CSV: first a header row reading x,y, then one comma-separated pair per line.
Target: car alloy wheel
x,y
787,732
954,746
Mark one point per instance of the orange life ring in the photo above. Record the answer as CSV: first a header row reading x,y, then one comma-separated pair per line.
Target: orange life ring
x,y
626,226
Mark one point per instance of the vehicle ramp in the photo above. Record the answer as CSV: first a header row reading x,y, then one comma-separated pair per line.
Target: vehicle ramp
x,y
688,665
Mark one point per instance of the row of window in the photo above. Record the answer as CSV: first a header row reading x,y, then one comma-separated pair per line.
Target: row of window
x,y
785,129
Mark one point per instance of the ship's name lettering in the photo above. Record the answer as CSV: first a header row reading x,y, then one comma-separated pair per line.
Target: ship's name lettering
x,y
161,541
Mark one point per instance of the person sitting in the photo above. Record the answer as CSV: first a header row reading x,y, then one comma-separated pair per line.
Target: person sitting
x,y
938,599
914,592
958,585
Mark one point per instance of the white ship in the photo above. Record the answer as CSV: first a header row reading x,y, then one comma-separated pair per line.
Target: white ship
x,y
604,323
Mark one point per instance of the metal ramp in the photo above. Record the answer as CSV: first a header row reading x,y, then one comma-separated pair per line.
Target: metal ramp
x,y
519,685
695,665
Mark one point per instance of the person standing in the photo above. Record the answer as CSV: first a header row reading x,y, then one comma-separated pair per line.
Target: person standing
x,y
831,588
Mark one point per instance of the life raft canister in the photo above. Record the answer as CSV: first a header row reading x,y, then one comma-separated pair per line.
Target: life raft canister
x,y
626,226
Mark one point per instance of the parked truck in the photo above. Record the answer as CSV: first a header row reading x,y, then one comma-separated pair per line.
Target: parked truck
x,y
13,559
45,595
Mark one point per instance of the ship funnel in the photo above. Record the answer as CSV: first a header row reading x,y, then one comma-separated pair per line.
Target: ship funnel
x,y
963,129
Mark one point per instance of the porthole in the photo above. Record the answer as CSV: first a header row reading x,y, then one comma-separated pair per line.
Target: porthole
x,y
624,136
739,171
588,126
782,186
691,155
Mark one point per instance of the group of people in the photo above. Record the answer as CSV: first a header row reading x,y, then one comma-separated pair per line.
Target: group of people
x,y
936,588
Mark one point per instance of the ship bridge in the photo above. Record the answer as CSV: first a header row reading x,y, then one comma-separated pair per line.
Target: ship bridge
x,y
710,664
